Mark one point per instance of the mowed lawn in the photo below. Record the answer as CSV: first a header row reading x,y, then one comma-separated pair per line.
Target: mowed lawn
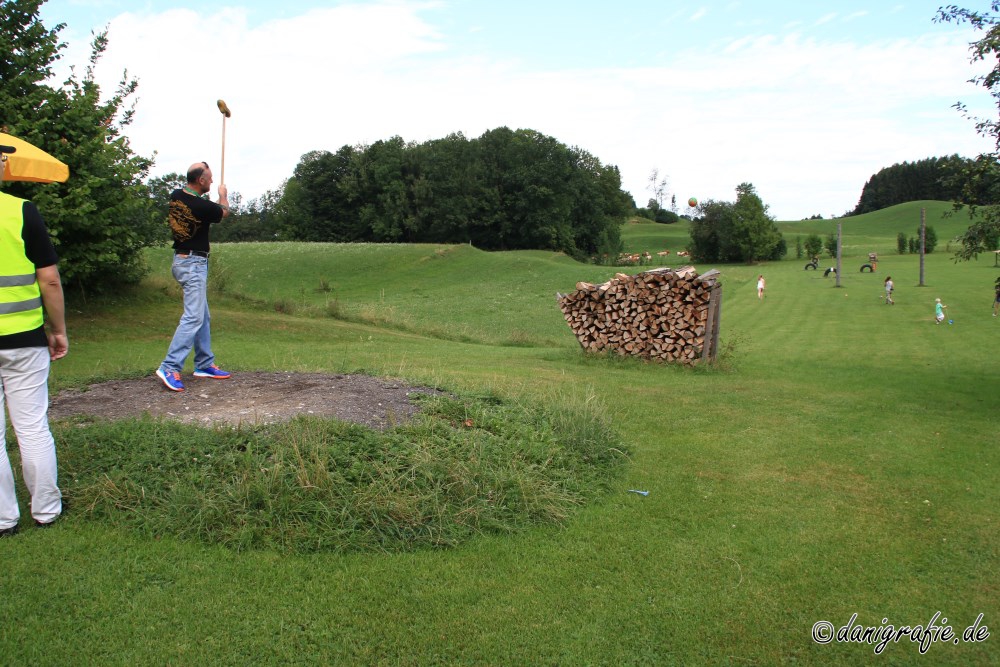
x,y
841,458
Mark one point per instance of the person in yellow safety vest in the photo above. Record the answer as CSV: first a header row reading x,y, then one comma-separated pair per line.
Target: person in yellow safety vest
x,y
30,292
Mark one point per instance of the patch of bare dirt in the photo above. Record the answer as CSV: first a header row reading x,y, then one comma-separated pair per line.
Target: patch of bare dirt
x,y
248,398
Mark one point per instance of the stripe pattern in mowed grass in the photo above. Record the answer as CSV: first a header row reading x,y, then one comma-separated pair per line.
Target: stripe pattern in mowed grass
x,y
841,459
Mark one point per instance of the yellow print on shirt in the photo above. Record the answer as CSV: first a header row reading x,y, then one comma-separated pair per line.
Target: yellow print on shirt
x,y
183,223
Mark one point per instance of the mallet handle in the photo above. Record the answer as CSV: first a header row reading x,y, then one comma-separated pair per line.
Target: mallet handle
x,y
222,167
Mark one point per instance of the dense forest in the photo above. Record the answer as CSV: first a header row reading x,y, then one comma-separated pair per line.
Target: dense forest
x,y
940,178
507,189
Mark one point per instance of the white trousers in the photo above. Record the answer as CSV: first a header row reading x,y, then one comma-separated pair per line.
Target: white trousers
x,y
24,375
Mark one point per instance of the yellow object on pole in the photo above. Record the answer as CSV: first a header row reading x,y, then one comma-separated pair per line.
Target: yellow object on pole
x,y
26,162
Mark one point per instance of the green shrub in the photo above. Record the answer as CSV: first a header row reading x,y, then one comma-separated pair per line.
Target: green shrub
x,y
666,217
779,251
831,245
813,245
930,239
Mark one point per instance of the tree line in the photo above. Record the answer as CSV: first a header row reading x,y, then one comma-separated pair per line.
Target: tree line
x,y
938,178
505,190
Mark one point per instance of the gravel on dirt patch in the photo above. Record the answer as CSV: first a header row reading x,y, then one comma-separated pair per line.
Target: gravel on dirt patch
x,y
247,398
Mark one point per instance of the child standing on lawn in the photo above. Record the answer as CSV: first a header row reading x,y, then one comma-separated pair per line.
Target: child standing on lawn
x,y
938,311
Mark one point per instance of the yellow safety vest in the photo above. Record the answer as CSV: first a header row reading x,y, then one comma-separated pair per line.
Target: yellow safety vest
x,y
20,297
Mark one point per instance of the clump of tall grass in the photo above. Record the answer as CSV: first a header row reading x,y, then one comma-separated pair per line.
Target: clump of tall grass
x,y
334,309
463,466
219,278
285,306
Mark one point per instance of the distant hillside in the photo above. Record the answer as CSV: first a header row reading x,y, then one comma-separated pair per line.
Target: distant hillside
x,y
869,232
877,231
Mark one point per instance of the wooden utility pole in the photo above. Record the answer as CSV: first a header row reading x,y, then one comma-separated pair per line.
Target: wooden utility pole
x,y
839,246
923,237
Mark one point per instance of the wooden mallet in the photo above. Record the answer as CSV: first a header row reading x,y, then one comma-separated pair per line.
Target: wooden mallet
x,y
225,114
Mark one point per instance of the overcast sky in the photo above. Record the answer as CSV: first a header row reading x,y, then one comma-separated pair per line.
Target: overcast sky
x,y
806,100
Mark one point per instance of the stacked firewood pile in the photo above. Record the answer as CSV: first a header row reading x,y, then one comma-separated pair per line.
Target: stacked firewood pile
x,y
663,314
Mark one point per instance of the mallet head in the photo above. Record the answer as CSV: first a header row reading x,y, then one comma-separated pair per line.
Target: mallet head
x,y
224,109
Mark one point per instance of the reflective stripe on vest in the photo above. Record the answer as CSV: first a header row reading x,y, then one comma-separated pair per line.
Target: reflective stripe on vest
x,y
20,297
17,281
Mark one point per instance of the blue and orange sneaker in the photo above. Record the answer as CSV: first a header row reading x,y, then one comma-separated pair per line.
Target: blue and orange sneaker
x,y
172,379
213,372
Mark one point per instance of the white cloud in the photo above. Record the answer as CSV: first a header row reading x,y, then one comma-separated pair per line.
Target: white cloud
x,y
807,122
826,19
699,14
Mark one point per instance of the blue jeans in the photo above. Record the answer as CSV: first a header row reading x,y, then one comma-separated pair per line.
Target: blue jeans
x,y
194,329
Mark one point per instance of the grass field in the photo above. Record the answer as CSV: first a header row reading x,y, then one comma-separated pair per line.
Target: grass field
x,y
842,458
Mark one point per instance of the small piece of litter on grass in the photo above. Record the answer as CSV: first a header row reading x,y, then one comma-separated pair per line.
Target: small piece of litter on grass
x,y
641,493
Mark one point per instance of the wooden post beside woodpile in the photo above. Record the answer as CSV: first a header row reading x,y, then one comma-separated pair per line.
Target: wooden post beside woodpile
x,y
662,314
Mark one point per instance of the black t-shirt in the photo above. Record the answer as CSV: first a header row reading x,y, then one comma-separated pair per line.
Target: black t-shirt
x,y
38,249
190,218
